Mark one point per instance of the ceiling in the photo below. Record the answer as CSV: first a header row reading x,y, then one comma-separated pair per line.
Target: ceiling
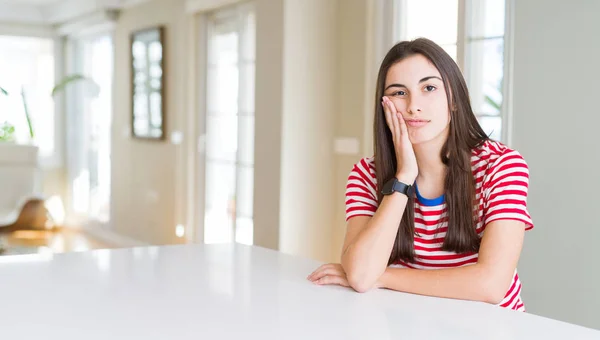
x,y
55,12
29,2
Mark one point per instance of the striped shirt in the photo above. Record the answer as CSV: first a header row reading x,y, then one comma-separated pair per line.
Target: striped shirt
x,y
502,180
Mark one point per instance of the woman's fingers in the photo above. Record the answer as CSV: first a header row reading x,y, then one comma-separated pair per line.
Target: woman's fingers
x,y
317,271
394,119
388,115
402,123
332,280
329,274
326,272
330,268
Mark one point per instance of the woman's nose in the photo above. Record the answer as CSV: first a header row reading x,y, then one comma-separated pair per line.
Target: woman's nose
x,y
413,107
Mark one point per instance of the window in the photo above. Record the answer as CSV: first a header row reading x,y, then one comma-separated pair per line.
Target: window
x,y
482,44
415,18
27,74
229,178
90,122
484,53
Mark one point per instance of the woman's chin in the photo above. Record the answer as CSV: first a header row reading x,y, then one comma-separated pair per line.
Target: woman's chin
x,y
422,136
418,138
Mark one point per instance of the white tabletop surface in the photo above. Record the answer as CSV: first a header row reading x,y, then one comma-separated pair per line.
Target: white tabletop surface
x,y
230,292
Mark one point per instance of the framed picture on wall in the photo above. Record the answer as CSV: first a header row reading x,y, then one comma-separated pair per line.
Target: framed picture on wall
x,y
147,83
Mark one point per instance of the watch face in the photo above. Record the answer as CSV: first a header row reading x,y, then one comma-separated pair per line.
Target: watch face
x,y
387,187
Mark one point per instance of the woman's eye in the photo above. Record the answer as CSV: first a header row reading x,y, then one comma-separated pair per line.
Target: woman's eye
x,y
430,88
399,93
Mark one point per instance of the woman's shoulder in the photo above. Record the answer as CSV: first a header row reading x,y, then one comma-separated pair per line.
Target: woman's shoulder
x,y
364,170
494,156
361,189
366,162
365,165
362,184
492,150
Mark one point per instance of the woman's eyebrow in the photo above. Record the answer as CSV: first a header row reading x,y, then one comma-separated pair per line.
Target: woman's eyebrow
x,y
394,85
430,77
420,81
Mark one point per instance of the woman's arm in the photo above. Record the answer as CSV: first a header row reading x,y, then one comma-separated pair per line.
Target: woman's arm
x,y
488,280
369,241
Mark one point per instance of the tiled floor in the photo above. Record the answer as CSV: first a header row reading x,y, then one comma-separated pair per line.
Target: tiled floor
x,y
60,241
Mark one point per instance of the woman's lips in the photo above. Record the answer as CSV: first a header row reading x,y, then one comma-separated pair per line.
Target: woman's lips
x,y
416,122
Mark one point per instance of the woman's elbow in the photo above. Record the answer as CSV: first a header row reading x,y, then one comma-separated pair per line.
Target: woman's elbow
x,y
359,277
494,292
493,284
360,285
359,282
494,296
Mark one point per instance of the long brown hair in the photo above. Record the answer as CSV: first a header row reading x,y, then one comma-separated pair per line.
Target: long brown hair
x,y
465,133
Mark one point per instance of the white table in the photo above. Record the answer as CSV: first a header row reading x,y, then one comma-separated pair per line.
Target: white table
x,y
230,292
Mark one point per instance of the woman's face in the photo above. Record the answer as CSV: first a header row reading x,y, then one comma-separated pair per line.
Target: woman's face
x,y
416,88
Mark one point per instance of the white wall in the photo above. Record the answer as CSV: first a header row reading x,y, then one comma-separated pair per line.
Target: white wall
x,y
556,124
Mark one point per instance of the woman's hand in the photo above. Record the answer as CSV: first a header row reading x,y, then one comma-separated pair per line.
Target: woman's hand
x,y
329,274
406,169
334,274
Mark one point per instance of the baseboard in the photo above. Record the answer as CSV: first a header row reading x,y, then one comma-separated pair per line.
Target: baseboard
x,y
112,238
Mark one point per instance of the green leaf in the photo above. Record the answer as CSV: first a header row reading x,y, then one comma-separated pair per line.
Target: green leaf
x,y
66,81
7,132
3,91
27,115
494,104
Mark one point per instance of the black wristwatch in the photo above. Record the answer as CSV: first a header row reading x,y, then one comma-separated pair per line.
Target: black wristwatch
x,y
394,185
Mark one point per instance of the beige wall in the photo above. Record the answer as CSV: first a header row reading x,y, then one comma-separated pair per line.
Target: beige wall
x,y
310,58
352,92
268,111
323,91
146,175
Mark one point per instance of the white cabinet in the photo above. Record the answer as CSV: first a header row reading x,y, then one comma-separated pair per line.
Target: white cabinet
x,y
18,179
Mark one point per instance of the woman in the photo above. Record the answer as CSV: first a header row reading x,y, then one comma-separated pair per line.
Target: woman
x,y
438,194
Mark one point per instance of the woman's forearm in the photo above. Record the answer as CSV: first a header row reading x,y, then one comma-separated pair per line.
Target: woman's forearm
x,y
473,282
366,257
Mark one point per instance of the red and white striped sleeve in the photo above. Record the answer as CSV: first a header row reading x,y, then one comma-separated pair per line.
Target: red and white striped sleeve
x,y
361,196
507,188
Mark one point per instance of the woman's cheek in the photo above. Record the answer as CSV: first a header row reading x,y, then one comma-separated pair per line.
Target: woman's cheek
x,y
399,104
